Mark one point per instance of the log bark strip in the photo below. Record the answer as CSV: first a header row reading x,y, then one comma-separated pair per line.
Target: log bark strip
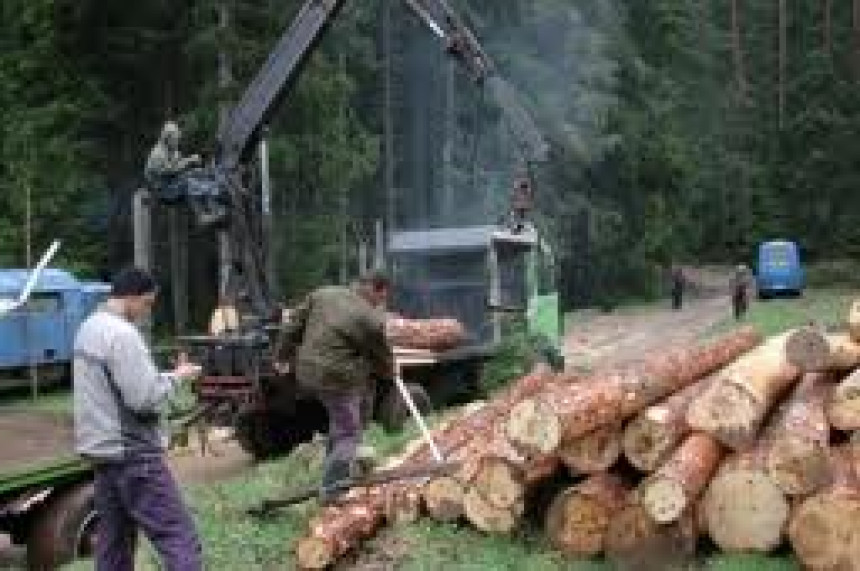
x,y
428,334
825,528
654,433
595,452
843,407
674,488
797,439
579,517
734,407
562,413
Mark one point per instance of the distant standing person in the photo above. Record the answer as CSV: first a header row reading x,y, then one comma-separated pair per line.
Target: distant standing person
x,y
677,287
740,291
118,396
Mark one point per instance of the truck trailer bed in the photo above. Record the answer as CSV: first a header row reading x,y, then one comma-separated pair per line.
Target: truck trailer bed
x,y
36,447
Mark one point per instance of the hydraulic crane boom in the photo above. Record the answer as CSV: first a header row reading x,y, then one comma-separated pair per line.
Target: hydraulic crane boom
x,y
218,192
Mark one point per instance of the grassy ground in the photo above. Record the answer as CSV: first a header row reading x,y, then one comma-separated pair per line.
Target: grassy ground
x,y
57,400
234,541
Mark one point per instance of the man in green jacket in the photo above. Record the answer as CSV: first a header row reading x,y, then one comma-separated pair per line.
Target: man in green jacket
x,y
341,348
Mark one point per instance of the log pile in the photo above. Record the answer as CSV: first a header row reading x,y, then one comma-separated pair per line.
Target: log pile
x,y
743,441
439,334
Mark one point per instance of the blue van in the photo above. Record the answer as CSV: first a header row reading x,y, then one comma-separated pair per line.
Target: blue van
x,y
778,269
41,332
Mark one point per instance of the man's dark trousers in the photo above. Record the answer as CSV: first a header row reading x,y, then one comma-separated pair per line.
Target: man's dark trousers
x,y
141,494
345,424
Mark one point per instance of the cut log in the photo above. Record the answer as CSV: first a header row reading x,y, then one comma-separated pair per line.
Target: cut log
x,y
500,482
797,438
744,509
733,408
654,433
854,321
578,517
843,407
443,499
565,412
674,488
488,518
595,452
337,530
635,542
812,349
428,334
825,528
402,505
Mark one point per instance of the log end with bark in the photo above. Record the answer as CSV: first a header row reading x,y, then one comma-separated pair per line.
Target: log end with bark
x,y
854,321
729,413
443,499
745,510
807,349
843,407
595,452
578,518
799,466
488,518
824,531
499,482
533,427
635,542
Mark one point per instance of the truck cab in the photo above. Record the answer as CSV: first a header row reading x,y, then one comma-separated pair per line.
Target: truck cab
x,y
778,269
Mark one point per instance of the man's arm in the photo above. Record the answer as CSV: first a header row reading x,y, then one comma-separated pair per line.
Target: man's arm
x,y
143,389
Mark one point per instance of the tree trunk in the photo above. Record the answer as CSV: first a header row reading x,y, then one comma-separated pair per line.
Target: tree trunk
x,y
578,518
744,509
855,37
825,528
843,407
489,518
635,541
595,452
564,412
674,488
402,505
653,433
737,52
811,349
798,437
734,407
425,334
444,499
827,27
336,531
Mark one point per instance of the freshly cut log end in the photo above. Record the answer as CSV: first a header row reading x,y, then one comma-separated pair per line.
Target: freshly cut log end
x,y
745,511
647,442
825,531
443,499
314,553
635,542
664,499
533,428
499,482
807,349
402,505
798,466
595,452
488,518
843,408
578,518
728,413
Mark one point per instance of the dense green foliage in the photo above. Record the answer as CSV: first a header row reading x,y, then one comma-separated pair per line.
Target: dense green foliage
x,y
672,138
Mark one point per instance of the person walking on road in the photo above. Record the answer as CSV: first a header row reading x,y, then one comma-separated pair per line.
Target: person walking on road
x,y
740,291
118,398
678,283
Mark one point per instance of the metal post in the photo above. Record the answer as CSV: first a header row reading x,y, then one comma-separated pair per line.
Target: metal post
x,y
266,207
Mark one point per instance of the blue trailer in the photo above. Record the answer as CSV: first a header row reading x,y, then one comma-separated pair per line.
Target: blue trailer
x,y
778,269
41,331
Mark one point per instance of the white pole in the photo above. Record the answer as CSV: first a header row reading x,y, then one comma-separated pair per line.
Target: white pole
x,y
416,414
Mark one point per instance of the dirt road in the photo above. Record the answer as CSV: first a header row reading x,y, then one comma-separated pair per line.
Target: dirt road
x,y
625,334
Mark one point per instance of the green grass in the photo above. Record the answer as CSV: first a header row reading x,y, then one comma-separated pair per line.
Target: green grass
x,y
54,401
234,541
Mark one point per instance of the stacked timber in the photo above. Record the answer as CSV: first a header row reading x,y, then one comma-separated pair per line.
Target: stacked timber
x,y
439,334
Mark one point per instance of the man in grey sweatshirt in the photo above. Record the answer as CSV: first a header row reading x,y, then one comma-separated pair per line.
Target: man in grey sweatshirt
x,y
118,397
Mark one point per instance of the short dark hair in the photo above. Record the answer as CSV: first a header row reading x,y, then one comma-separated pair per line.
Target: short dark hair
x,y
375,279
131,282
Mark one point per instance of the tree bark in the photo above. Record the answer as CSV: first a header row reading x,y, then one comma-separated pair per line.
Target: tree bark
x,y
737,52
811,349
855,37
783,60
734,407
539,425
654,433
426,334
843,407
827,26
674,488
825,528
579,517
